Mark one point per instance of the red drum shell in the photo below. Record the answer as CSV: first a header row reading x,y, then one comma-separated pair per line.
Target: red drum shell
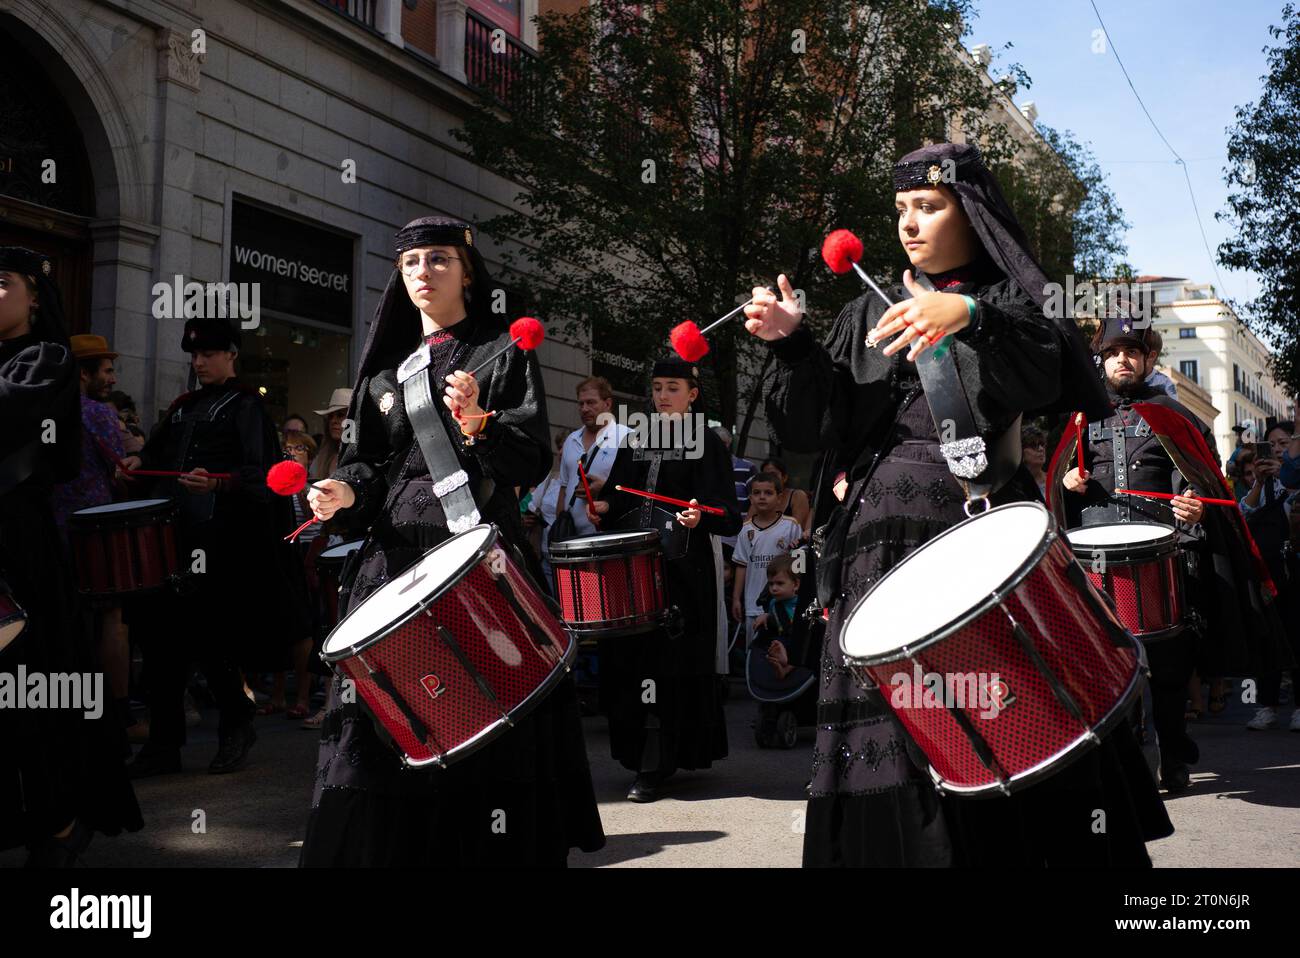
x,y
610,585
467,653
1075,643
1144,579
124,548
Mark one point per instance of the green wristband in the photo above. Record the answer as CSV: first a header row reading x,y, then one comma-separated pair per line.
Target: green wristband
x,y
970,306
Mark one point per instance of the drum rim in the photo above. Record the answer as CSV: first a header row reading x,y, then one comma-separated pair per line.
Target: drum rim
x,y
155,506
1079,747
994,598
358,543
647,539
491,732
631,625
459,573
1127,552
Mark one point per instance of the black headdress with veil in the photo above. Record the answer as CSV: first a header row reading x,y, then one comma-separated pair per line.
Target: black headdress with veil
x,y
961,169
396,329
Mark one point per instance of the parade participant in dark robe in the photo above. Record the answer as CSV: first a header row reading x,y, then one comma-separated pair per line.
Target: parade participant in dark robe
x,y
869,801
367,810
62,776
234,609
677,722
1125,352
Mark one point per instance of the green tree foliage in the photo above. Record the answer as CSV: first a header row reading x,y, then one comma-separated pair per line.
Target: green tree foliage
x,y
1264,158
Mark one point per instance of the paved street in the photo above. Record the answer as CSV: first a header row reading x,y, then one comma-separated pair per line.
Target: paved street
x,y
1243,808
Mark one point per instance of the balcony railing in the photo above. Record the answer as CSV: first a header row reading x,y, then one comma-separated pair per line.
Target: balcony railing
x,y
505,74
362,11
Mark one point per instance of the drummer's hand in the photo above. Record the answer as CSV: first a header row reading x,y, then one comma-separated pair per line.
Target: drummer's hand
x,y
198,482
769,318
1187,509
596,485
597,509
462,395
129,464
841,486
690,518
1076,480
922,320
329,496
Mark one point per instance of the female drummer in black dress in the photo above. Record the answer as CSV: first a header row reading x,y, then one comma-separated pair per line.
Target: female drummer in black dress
x,y
869,801
660,690
62,775
366,809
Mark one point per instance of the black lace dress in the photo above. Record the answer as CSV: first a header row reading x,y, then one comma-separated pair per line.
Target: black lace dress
x,y
367,810
870,801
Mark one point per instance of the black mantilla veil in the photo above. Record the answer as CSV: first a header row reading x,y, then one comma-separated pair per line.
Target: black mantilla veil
x,y
396,329
960,168
48,324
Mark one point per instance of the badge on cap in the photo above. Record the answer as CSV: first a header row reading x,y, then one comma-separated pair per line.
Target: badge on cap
x,y
385,403
469,237
934,175
1126,327
45,267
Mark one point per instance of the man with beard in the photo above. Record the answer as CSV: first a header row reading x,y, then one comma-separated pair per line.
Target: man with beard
x,y
1123,452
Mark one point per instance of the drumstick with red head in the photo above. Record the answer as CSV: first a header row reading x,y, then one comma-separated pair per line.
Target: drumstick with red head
x,y
527,333
688,340
289,478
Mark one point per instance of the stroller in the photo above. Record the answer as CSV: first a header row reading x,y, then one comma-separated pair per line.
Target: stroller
x,y
785,704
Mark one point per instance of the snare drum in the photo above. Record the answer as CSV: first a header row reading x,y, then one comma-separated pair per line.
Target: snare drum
x,y
994,651
13,617
329,567
452,651
1137,564
612,584
124,547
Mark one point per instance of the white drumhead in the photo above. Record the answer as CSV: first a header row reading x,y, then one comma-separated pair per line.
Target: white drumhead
x,y
121,507
343,550
395,598
610,539
1118,534
945,579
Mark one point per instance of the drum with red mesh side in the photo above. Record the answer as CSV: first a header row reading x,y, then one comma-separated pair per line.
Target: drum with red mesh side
x,y
452,651
611,584
124,547
996,654
1136,564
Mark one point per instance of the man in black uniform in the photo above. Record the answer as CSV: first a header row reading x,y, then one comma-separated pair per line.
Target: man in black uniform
x,y
1124,453
230,603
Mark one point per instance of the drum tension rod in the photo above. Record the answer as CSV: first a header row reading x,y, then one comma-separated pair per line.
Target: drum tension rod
x,y
1058,688
385,684
472,672
978,743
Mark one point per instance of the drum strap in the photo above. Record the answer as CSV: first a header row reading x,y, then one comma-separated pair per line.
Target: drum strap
x,y
983,468
451,482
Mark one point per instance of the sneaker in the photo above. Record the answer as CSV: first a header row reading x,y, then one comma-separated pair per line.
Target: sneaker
x,y
1265,717
1295,721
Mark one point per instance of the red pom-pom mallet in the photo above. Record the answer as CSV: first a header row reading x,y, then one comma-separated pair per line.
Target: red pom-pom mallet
x,y
841,250
688,340
525,332
288,478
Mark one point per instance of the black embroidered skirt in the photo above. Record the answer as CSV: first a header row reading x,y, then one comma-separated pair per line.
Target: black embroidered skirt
x,y
525,799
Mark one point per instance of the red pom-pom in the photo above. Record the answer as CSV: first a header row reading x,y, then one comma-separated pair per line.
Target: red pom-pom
x,y
841,250
687,342
286,478
528,331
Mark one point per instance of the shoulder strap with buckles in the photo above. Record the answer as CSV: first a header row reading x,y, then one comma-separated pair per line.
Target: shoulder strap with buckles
x,y
451,482
982,467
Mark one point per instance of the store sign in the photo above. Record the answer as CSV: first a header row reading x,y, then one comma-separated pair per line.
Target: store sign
x,y
301,270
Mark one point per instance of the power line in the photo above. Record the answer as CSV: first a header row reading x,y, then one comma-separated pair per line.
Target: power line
x,y
1178,159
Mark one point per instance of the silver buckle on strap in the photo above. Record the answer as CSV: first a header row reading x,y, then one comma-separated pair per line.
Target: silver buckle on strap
x,y
966,457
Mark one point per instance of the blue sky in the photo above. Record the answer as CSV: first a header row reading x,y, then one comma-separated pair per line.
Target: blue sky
x,y
1193,63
